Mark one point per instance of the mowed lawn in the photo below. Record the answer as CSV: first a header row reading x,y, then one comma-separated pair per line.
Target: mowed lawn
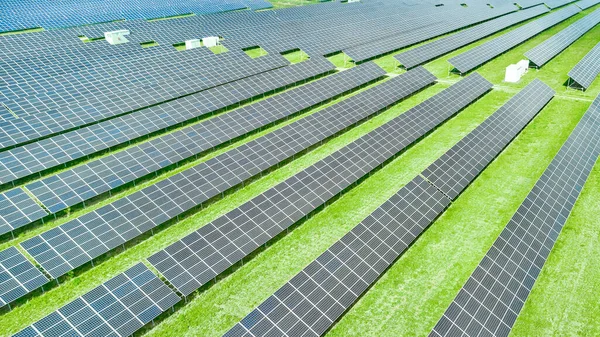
x,y
412,295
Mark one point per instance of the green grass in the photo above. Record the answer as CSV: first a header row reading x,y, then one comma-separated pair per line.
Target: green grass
x,y
220,49
255,52
409,299
295,56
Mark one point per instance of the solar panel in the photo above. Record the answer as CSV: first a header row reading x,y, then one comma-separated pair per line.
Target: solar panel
x,y
68,246
452,172
84,182
118,307
476,56
493,296
414,33
87,101
585,72
200,256
529,3
432,50
18,276
60,149
557,3
585,4
17,209
316,297
548,49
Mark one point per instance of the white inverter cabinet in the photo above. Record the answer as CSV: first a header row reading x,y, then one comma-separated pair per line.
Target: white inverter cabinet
x,y
117,36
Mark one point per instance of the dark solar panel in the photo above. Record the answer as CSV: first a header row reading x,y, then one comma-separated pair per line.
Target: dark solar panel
x,y
481,54
60,149
432,50
548,49
119,307
492,298
452,172
18,276
17,209
314,299
585,4
585,72
68,246
84,182
202,255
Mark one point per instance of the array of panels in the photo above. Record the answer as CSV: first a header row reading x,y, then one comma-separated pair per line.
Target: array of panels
x,y
17,209
310,303
557,3
315,298
475,57
79,108
18,276
586,71
117,308
81,183
68,246
585,4
197,258
24,14
432,50
548,49
452,172
413,30
33,158
491,299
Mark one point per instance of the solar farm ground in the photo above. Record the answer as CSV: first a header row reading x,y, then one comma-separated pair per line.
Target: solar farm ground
x,y
412,295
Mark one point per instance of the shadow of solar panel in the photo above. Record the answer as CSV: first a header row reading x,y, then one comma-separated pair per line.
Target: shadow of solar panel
x,y
18,275
432,50
458,167
87,181
586,71
492,298
119,307
17,209
199,257
548,49
481,54
80,240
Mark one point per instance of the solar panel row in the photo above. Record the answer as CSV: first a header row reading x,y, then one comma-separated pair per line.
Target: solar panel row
x,y
445,23
117,308
476,56
84,182
585,4
432,50
548,49
200,256
68,246
18,276
491,299
95,108
453,172
33,158
25,14
557,3
312,301
18,209
586,71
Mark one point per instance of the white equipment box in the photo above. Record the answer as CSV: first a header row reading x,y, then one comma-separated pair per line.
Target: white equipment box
x,y
514,72
191,44
210,41
117,36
